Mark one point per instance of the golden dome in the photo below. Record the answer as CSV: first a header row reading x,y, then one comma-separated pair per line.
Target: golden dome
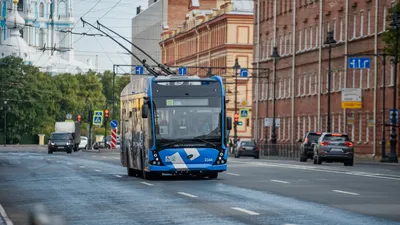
x,y
15,2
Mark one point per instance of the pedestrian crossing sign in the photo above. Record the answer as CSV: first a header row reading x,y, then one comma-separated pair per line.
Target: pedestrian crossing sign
x,y
244,113
98,118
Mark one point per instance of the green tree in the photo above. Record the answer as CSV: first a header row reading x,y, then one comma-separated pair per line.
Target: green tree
x,y
389,36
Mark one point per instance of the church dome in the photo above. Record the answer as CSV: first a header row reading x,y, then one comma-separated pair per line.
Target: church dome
x,y
14,20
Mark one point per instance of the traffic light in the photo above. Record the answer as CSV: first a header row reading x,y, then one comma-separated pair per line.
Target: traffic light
x,y
106,114
79,118
236,117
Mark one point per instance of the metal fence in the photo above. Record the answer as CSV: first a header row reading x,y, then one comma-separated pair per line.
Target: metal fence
x,y
284,151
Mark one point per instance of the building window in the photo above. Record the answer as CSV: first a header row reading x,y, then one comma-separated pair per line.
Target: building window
x,y
354,79
310,84
305,38
339,124
361,78
309,123
284,128
280,89
391,77
289,90
367,129
20,6
300,40
352,128
333,123
311,37
290,43
384,18
334,29
298,127
316,83
369,22
299,86
341,29
316,36
267,47
368,77
340,81
304,84
41,38
354,25
41,9
361,23
284,87
333,81
304,125
315,123
360,127
280,44
285,45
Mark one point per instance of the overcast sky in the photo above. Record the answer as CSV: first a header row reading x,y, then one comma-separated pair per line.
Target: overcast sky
x,y
118,19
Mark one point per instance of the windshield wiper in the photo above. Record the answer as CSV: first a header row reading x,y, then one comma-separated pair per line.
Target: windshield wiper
x,y
172,142
205,141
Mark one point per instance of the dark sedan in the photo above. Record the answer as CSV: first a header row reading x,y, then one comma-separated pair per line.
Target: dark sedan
x,y
334,147
248,148
307,147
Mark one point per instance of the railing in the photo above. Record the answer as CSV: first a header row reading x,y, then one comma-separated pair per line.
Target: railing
x,y
284,151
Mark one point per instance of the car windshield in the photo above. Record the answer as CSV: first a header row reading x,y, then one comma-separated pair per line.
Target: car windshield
x,y
187,122
60,136
249,143
336,138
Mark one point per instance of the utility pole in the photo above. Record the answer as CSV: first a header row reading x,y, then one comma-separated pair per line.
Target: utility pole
x,y
393,136
329,41
236,67
383,142
113,92
90,120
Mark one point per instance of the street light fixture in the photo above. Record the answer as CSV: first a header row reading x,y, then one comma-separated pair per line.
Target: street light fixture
x,y
329,41
275,56
393,136
236,67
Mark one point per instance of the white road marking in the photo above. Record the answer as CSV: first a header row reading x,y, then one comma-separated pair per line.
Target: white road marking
x,y
246,211
81,166
97,170
94,156
69,163
118,176
280,181
116,158
104,157
233,174
5,217
309,168
58,161
148,184
187,194
346,192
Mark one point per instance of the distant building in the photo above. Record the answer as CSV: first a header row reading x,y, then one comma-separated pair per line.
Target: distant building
x,y
215,38
37,36
148,24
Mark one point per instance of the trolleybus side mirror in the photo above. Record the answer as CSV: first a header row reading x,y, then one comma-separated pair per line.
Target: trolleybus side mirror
x,y
229,123
145,110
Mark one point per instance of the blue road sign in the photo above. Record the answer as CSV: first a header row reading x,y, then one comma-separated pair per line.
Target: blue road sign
x,y
98,118
114,124
359,63
244,113
182,71
391,120
139,70
244,72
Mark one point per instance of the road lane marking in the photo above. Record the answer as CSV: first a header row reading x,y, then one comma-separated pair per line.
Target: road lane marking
x,y
233,174
5,217
280,181
346,192
104,157
69,163
187,194
81,166
148,184
97,170
118,176
116,158
309,168
246,211
58,161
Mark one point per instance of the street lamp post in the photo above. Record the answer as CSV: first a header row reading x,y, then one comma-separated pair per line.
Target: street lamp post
x,y
393,136
275,56
236,67
383,141
329,41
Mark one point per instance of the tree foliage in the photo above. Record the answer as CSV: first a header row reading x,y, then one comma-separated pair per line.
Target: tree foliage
x,y
37,100
389,36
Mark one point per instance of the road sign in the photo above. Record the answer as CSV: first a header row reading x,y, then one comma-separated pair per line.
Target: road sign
x,y
268,122
351,98
244,72
69,116
239,123
114,123
182,71
98,117
359,63
391,116
243,103
244,113
139,70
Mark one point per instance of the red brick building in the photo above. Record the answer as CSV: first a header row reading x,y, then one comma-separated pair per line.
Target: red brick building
x,y
299,28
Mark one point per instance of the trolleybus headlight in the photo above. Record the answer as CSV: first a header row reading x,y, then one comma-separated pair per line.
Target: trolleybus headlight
x,y
154,162
222,161
219,158
217,162
158,163
155,155
221,154
157,159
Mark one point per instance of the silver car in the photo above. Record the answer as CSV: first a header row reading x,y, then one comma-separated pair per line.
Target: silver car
x,y
334,147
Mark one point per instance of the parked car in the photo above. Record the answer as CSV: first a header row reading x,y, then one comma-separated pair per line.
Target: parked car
x,y
334,147
307,148
100,144
83,144
248,148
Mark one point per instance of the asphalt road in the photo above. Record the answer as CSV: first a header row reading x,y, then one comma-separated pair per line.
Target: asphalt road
x,y
93,188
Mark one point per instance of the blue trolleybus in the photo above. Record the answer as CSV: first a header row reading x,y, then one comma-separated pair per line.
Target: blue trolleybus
x,y
174,125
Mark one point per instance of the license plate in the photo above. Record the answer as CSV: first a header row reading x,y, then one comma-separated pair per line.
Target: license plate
x,y
336,150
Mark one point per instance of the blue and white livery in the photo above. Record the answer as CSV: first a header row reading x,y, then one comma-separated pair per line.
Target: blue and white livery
x,y
174,124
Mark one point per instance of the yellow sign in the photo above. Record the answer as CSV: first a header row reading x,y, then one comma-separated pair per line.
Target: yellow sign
x,y
351,105
243,103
